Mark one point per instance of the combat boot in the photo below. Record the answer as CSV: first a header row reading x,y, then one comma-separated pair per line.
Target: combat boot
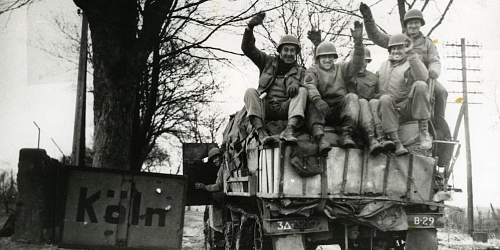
x,y
319,136
387,145
400,149
261,133
346,140
424,136
288,135
264,137
373,144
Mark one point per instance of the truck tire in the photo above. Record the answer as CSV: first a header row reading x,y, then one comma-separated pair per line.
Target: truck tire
x,y
421,239
212,237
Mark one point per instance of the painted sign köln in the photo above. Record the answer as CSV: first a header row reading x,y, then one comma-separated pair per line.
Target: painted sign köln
x,y
109,208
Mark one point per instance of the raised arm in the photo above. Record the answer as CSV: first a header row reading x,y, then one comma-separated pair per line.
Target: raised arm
x,y
379,38
248,43
356,62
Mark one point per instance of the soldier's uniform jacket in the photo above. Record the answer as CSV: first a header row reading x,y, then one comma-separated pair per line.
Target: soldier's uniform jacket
x,y
397,78
268,66
422,45
364,84
331,85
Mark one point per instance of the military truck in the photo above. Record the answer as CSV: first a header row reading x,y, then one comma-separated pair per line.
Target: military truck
x,y
273,199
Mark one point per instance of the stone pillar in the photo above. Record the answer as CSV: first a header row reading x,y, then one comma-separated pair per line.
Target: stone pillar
x,y
39,197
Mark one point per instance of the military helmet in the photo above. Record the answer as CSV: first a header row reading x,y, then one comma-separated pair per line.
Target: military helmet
x,y
414,14
213,152
368,55
398,39
288,39
326,48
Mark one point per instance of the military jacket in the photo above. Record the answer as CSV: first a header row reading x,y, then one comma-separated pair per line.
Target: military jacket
x,y
422,45
268,65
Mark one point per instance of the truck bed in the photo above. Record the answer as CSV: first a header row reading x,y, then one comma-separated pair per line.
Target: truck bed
x,y
348,174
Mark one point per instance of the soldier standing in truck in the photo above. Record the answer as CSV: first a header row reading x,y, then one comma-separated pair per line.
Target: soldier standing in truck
x,y
279,85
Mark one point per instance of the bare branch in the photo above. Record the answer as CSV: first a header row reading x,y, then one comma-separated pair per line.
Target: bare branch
x,y
441,18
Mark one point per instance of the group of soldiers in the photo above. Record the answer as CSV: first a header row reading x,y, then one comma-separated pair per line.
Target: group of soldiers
x,y
346,95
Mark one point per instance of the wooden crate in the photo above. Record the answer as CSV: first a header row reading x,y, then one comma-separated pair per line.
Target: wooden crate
x,y
348,173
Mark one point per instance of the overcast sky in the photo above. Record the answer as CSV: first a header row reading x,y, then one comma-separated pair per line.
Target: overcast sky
x,y
38,87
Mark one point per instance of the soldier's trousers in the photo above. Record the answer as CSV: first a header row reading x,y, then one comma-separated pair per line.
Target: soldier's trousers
x,y
275,109
415,107
439,121
368,114
343,111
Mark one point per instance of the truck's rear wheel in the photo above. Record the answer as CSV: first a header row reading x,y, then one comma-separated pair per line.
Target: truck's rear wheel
x,y
421,239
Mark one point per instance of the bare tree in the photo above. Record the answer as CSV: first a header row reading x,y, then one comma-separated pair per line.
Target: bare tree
x,y
127,78
8,190
10,5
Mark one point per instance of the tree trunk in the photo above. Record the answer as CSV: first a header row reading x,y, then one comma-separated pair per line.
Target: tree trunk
x,y
121,44
117,65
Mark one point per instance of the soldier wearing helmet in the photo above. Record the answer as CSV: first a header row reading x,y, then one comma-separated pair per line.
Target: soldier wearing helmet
x,y
364,85
326,83
214,213
214,161
279,85
404,92
423,46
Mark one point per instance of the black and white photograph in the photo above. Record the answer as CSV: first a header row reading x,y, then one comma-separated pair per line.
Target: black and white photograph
x,y
250,124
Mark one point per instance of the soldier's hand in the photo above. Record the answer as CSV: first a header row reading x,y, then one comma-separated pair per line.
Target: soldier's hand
x,y
365,11
433,74
199,185
314,36
357,32
258,19
292,90
321,106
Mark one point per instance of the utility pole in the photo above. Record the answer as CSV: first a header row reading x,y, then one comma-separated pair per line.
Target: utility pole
x,y
78,152
470,200
464,113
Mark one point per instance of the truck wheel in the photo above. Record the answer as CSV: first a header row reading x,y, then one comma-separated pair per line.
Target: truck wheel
x,y
421,239
260,241
229,236
212,237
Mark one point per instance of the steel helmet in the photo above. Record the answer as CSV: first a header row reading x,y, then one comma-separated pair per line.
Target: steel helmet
x,y
326,48
213,152
414,14
368,55
288,39
398,39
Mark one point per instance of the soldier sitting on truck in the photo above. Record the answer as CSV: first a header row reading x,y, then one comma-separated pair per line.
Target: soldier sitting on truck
x,y
364,84
326,84
413,20
402,83
279,85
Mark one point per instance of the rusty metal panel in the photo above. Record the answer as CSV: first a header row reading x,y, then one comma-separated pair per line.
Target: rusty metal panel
x,y
354,172
158,218
397,176
111,208
422,178
335,170
373,174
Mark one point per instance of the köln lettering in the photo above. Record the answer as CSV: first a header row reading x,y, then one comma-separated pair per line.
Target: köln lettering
x,y
116,213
